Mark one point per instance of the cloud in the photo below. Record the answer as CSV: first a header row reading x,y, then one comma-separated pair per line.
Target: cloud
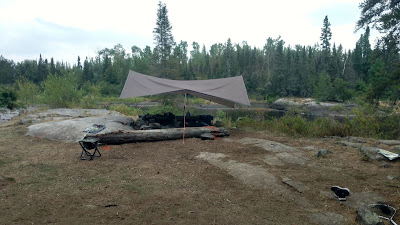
x,y
28,40
66,29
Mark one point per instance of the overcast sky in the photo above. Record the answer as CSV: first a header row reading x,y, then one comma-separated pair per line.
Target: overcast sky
x,y
64,29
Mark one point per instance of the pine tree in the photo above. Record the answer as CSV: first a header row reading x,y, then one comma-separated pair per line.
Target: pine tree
x,y
86,71
163,36
79,63
52,66
41,74
383,15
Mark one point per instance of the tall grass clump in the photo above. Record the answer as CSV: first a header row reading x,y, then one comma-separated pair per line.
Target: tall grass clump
x,y
126,110
366,121
224,118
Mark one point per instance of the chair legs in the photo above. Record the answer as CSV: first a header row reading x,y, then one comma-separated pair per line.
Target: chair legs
x,y
87,155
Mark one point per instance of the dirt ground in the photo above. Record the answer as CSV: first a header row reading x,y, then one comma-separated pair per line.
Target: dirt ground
x,y
43,181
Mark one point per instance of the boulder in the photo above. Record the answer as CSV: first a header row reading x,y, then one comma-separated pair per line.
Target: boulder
x,y
366,217
72,130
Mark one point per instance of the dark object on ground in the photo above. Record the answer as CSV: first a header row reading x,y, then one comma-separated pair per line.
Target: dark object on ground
x,y
340,193
366,217
130,136
169,120
207,136
88,145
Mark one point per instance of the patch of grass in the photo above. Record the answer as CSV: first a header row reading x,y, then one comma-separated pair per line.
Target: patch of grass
x,y
9,179
367,122
41,174
94,181
139,186
2,162
108,100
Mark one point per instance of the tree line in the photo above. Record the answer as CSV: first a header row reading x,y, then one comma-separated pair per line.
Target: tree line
x,y
325,71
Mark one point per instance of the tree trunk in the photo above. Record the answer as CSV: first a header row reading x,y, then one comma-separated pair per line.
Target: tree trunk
x,y
129,136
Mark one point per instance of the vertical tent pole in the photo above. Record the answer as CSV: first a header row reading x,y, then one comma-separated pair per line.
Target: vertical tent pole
x,y
184,118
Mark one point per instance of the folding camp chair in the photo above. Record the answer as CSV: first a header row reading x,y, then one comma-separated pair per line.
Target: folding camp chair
x,y
88,145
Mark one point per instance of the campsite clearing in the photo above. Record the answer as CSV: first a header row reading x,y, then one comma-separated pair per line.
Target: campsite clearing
x,y
248,178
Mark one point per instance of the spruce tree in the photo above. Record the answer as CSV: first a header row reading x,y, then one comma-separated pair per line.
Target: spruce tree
x,y
326,35
163,36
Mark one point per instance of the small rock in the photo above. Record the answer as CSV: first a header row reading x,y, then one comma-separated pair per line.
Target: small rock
x,y
207,136
389,142
322,153
390,177
350,144
155,126
218,124
371,153
366,217
386,165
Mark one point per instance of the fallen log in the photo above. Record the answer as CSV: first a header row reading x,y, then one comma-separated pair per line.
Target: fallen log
x,y
130,136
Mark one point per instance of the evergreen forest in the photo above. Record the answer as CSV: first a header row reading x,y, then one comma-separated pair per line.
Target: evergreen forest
x,y
325,71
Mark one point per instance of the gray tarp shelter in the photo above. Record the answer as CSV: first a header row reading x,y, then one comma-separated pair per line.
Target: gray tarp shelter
x,y
225,91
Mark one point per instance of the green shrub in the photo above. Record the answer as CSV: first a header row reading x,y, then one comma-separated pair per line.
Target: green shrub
x,y
8,97
294,125
27,91
91,95
61,91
